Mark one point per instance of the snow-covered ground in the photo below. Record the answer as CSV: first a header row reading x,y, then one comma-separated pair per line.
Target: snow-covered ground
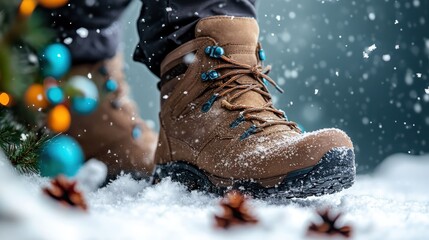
x,y
393,203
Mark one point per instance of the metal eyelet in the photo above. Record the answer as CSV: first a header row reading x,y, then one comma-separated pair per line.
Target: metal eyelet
x,y
237,121
251,130
262,55
214,51
210,75
206,107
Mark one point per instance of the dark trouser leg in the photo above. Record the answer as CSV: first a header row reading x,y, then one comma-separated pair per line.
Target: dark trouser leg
x,y
165,25
90,29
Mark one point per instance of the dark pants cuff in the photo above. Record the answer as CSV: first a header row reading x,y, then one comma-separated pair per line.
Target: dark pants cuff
x,y
165,25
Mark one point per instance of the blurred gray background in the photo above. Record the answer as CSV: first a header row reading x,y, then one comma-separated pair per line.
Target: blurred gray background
x,y
316,49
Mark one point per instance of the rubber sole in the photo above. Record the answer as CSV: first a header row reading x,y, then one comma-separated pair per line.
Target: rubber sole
x,y
334,172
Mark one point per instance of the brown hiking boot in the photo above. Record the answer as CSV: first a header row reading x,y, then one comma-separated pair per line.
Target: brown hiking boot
x,y
220,130
114,133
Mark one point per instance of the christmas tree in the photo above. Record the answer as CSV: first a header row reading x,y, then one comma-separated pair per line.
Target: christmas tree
x,y
21,35
32,102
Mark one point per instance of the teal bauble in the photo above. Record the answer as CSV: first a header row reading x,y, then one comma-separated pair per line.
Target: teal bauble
x,y
84,105
55,95
55,60
83,95
60,155
111,85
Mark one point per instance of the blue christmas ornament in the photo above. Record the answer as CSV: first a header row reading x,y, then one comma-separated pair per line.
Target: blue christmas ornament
x,y
83,105
56,60
83,94
111,85
60,155
55,95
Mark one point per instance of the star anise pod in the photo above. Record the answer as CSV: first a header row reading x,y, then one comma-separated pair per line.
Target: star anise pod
x,y
235,211
329,226
66,193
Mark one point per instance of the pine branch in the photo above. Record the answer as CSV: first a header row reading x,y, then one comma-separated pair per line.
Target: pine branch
x,y
21,145
10,132
24,156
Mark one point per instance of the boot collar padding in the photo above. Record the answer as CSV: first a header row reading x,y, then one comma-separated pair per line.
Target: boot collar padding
x,y
229,30
221,30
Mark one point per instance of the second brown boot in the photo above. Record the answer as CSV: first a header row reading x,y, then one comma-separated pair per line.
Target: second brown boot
x,y
114,133
220,130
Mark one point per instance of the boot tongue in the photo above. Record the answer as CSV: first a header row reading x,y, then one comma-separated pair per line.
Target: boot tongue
x,y
237,32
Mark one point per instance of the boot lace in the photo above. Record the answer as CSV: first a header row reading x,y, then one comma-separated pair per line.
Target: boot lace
x,y
227,83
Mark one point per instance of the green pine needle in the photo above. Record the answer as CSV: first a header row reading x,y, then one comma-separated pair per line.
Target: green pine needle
x,y
21,146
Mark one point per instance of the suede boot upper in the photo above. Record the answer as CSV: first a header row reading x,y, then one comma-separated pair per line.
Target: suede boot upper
x,y
218,115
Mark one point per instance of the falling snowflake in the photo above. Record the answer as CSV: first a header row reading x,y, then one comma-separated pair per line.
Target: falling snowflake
x,y
82,32
368,50
68,40
386,57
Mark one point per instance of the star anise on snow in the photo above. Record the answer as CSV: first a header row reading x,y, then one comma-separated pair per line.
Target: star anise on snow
x,y
329,226
235,211
66,193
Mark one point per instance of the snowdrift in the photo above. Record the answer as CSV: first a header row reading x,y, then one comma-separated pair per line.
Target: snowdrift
x,y
392,203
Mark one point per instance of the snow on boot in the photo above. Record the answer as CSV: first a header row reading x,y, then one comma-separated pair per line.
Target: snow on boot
x,y
220,130
114,133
